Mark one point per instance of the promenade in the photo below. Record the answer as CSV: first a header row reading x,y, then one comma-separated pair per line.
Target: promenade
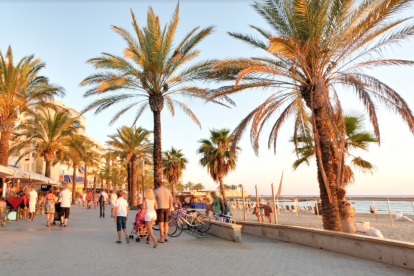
x,y
87,247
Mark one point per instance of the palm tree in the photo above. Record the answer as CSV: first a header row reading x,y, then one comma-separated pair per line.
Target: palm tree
x,y
199,187
179,187
313,48
216,156
189,186
74,152
94,172
46,131
131,143
21,89
233,187
240,186
91,159
174,164
356,137
149,75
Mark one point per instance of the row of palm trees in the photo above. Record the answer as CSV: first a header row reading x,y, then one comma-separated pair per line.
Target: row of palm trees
x,y
313,48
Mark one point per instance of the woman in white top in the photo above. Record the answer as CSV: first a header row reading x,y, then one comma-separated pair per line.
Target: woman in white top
x,y
149,206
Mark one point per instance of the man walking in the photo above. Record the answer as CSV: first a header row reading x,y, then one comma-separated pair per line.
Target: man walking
x,y
65,199
103,199
164,203
32,203
113,198
89,199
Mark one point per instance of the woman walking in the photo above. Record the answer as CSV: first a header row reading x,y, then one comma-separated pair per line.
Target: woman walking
x,y
50,207
150,205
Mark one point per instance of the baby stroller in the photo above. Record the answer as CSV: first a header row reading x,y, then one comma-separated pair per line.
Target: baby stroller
x,y
139,229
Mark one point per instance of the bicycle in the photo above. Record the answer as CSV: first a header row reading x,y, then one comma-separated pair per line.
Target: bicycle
x,y
173,214
200,222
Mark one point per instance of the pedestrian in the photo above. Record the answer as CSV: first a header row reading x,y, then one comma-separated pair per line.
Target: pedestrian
x,y
164,204
65,199
32,203
84,198
50,209
95,199
150,205
79,198
112,199
89,198
103,199
121,215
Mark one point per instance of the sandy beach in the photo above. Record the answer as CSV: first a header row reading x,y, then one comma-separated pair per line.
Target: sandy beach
x,y
402,231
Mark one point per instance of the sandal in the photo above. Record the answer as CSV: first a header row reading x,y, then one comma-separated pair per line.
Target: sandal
x,y
155,245
148,243
47,225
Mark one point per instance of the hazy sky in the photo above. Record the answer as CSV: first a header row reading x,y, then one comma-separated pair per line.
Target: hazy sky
x,y
65,34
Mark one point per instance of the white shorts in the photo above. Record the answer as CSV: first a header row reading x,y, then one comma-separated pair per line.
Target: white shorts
x,y
150,216
113,204
32,207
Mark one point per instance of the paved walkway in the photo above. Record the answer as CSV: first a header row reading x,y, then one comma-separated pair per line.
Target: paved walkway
x,y
87,247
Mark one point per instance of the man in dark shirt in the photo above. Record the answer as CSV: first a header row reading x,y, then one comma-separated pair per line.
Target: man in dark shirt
x,y
268,211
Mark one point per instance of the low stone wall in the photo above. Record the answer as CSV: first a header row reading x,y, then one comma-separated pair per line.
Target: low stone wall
x,y
386,251
227,231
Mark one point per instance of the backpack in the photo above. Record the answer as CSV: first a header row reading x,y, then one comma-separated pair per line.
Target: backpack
x,y
226,208
100,199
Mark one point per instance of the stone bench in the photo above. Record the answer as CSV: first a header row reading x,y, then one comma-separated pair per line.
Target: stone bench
x,y
386,251
227,231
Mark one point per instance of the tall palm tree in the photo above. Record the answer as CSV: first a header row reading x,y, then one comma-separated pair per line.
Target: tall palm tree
x,y
131,143
94,172
21,89
240,186
356,137
216,156
189,186
174,164
74,152
314,47
199,187
179,187
149,75
45,130
91,159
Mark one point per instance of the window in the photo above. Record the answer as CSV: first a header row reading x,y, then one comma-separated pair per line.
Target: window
x,y
26,167
31,167
27,157
33,154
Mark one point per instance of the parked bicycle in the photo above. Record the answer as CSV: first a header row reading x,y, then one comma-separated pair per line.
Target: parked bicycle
x,y
201,223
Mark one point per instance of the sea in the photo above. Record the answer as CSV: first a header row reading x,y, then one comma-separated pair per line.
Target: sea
x,y
363,207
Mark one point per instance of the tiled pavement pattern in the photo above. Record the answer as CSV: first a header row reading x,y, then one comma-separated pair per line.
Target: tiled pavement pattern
x,y
87,247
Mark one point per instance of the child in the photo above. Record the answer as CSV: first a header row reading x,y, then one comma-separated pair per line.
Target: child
x,y
121,215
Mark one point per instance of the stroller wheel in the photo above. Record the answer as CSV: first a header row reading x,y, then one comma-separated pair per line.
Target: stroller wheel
x,y
131,237
137,240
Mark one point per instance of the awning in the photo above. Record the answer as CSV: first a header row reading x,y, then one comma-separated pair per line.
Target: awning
x,y
6,171
27,177
69,179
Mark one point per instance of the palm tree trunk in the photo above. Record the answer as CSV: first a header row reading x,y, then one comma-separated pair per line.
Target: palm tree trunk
x,y
222,190
133,181
173,191
4,147
346,213
48,168
128,177
74,183
85,180
157,149
94,184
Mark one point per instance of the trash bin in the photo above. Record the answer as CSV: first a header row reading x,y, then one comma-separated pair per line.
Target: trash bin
x,y
362,226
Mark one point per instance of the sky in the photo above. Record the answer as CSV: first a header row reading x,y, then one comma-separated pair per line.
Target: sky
x,y
65,34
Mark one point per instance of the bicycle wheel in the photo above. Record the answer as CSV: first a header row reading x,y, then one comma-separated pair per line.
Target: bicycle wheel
x,y
175,228
156,227
202,223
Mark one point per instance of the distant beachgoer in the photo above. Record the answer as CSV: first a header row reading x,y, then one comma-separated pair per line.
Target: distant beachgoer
x,y
372,210
89,199
113,198
32,203
50,210
121,215
103,200
150,205
3,204
164,203
65,200
217,206
83,198
95,200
